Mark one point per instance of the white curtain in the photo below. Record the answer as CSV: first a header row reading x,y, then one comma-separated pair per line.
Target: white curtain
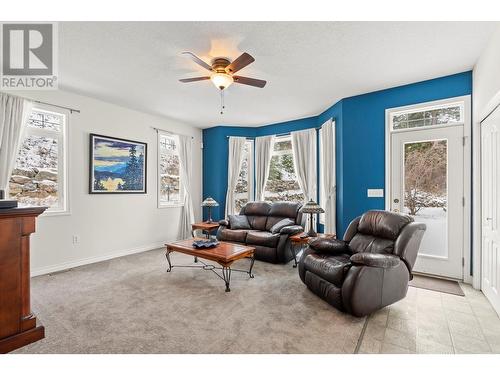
x,y
304,161
14,114
263,151
327,174
185,157
235,158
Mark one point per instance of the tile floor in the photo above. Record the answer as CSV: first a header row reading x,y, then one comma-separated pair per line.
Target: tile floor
x,y
431,322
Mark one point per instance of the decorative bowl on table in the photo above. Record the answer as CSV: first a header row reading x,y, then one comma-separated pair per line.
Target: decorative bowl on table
x,y
205,244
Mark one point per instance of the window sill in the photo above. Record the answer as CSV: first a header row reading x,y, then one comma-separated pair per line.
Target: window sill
x,y
171,205
56,213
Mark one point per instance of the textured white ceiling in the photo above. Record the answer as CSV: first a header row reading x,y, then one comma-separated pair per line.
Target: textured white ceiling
x,y
308,65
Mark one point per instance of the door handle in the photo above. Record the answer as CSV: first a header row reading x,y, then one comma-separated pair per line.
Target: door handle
x,y
489,218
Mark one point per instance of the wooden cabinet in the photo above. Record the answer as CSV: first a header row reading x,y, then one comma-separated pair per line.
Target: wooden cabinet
x,y
17,323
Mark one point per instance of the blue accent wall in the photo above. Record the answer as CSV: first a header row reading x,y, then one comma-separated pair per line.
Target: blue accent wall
x,y
360,135
215,154
363,137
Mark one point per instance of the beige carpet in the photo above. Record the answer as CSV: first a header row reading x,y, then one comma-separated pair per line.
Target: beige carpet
x,y
132,305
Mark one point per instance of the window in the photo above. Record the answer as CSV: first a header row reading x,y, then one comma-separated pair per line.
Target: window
x,y
38,178
282,184
452,113
169,189
244,187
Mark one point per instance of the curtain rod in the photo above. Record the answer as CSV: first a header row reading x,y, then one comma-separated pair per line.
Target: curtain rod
x,y
277,135
71,110
170,132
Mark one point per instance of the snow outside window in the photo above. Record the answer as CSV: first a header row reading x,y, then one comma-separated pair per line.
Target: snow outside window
x,y
244,186
170,185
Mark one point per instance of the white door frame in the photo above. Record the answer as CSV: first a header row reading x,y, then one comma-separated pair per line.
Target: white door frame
x,y
483,113
467,170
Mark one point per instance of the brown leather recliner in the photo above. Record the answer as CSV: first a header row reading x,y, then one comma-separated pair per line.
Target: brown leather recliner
x,y
370,268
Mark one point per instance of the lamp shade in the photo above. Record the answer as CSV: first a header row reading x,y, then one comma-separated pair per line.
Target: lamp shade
x,y
312,207
221,80
209,202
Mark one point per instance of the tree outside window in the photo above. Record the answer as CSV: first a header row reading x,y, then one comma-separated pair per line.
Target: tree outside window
x,y
282,184
425,176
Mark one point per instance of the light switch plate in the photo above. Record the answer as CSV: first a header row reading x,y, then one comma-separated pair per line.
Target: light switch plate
x,y
375,193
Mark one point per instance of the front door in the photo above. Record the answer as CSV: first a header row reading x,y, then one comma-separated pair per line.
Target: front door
x,y
490,194
427,182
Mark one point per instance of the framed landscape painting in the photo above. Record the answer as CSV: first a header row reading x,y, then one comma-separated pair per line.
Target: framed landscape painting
x,y
117,165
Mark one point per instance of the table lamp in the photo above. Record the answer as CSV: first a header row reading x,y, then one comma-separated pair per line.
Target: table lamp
x,y
312,208
209,202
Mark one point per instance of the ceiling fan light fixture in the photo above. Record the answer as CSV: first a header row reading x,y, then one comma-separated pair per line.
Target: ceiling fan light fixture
x,y
221,80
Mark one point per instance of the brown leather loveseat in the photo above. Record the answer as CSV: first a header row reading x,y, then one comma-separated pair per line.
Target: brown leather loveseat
x,y
266,227
370,268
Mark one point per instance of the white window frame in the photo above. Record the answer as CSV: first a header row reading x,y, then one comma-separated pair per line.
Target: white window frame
x,y
424,107
161,203
281,138
62,159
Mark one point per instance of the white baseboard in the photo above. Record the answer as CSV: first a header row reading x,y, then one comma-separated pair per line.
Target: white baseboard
x,y
81,262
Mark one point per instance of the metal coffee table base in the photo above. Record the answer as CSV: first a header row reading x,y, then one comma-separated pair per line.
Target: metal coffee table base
x,y
225,273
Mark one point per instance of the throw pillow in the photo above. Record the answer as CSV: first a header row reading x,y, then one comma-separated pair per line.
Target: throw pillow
x,y
239,222
281,224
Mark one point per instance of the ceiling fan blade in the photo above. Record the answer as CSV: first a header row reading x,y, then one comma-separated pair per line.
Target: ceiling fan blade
x,y
197,60
187,80
249,81
242,61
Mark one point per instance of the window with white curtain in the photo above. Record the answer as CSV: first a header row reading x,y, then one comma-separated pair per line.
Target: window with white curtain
x,y
169,181
282,183
322,196
39,175
244,187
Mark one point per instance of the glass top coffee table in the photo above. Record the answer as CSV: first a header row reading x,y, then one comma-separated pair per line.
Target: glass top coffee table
x,y
225,254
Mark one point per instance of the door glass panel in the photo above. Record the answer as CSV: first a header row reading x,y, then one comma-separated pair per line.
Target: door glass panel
x,y
425,192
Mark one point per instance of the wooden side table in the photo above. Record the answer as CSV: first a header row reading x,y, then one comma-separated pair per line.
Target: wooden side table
x,y
298,241
205,227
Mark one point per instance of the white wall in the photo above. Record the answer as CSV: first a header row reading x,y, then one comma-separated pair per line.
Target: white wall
x,y
486,77
485,96
115,224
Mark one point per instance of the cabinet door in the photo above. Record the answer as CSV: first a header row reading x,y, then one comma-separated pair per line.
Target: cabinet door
x,y
10,276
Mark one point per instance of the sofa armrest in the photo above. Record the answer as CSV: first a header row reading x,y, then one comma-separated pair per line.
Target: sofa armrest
x,y
329,245
375,260
291,229
224,223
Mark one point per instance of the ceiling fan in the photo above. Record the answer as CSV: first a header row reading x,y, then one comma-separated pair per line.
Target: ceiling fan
x,y
222,71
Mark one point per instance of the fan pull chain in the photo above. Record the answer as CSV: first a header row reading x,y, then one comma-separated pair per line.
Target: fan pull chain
x,y
222,106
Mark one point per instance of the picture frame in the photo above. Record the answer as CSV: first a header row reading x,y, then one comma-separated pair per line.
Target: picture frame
x,y
117,165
